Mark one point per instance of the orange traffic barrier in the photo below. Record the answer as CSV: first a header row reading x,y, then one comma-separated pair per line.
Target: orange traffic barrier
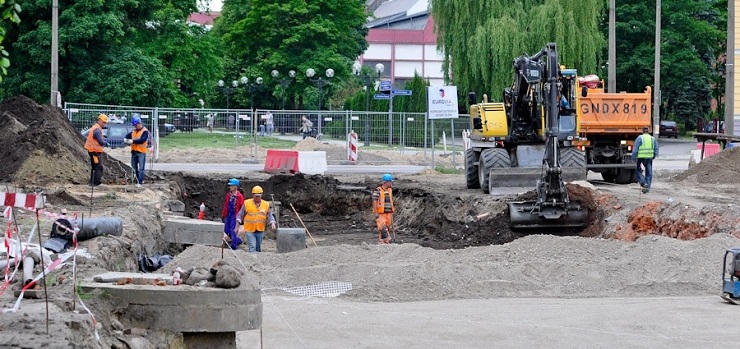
x,y
281,161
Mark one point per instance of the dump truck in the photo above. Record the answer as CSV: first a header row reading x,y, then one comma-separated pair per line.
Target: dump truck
x,y
526,142
609,125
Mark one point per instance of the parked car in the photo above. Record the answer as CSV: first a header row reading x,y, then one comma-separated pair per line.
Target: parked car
x,y
166,129
114,134
668,129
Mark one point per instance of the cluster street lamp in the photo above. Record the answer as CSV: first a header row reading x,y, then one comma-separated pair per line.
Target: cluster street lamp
x,y
310,73
228,90
283,82
253,86
357,68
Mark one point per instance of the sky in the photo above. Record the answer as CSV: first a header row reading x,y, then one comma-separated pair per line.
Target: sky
x,y
215,4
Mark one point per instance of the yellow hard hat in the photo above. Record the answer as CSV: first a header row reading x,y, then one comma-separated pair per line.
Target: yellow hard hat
x,y
103,117
257,189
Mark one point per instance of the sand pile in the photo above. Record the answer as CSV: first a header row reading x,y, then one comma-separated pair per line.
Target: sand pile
x,y
720,168
38,146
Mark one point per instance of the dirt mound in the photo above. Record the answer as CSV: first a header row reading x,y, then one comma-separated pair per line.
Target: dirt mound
x,y
719,168
38,146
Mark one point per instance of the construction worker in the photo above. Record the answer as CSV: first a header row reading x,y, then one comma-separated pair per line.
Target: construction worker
x,y
254,214
94,145
384,208
138,139
644,151
233,204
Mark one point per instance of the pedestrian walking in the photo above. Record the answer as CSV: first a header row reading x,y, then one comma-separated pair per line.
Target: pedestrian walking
x,y
383,207
269,123
94,145
306,126
255,215
233,203
644,151
138,139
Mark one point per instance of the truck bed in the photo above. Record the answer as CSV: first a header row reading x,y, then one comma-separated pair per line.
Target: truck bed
x,y
614,113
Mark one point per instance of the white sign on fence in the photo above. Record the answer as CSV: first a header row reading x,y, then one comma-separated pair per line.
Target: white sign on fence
x,y
442,102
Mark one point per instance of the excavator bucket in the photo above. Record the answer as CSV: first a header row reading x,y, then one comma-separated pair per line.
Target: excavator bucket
x,y
524,215
527,177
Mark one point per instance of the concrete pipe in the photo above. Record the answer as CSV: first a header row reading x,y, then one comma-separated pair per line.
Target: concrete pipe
x,y
94,227
28,264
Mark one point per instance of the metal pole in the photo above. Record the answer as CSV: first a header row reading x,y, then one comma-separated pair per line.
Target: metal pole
x,y
367,110
432,144
612,48
730,71
656,91
390,119
54,51
321,87
452,135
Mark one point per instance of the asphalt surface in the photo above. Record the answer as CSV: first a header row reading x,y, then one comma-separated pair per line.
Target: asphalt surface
x,y
666,322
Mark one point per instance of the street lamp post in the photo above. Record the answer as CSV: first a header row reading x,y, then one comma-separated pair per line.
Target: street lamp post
x,y
283,87
320,83
228,90
379,68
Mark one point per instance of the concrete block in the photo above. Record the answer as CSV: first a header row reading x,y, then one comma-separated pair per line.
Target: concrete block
x,y
290,239
176,206
312,162
183,230
184,308
209,340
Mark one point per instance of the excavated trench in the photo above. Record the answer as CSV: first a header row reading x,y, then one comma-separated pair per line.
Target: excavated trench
x,y
339,213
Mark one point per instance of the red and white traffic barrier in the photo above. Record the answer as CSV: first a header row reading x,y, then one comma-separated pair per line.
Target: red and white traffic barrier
x,y
29,201
352,146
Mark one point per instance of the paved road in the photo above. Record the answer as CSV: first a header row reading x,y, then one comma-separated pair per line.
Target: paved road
x,y
665,322
674,156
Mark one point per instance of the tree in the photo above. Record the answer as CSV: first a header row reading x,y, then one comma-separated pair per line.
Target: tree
x,y
481,38
105,51
9,11
692,46
262,35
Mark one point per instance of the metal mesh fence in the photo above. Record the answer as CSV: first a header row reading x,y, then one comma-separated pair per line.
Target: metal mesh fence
x,y
323,289
197,127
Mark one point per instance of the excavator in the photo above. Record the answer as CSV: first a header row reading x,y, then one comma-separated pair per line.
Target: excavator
x,y
527,141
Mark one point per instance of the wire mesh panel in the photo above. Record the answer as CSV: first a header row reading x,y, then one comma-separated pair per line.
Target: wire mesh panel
x,y
322,289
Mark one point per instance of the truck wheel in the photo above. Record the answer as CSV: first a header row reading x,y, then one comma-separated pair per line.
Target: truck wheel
x,y
489,159
624,176
572,157
609,176
471,169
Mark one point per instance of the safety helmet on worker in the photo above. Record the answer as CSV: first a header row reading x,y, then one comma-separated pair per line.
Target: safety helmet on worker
x,y
257,190
135,121
387,177
103,117
234,181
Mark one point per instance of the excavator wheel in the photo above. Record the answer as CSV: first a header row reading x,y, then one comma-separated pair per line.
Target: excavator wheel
x,y
572,157
471,169
489,159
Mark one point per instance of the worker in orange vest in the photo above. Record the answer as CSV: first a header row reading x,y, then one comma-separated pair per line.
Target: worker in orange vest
x,y
94,145
254,216
138,139
383,206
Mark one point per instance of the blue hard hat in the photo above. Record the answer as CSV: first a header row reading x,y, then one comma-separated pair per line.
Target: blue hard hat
x,y
135,121
234,181
387,177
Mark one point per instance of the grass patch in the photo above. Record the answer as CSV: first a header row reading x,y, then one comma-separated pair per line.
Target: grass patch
x,y
447,170
189,140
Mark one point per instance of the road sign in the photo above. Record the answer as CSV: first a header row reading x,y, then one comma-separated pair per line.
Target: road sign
x,y
381,96
385,85
401,92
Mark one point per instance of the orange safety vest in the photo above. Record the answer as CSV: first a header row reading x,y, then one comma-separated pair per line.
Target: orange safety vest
x,y
254,217
383,205
136,134
92,144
